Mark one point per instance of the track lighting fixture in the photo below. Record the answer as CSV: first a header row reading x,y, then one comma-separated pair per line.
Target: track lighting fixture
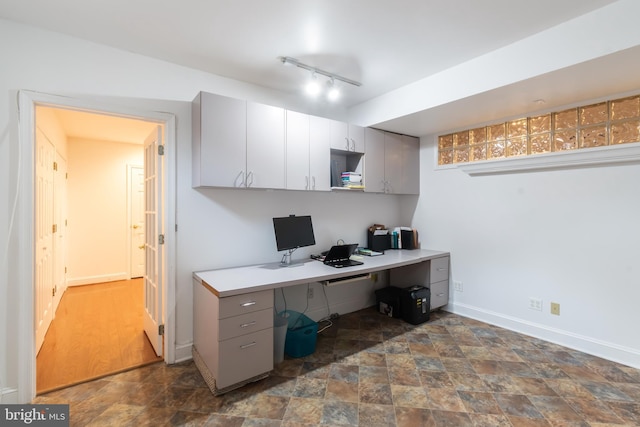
x,y
313,88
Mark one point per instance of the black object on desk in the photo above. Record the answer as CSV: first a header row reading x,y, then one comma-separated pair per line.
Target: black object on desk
x,y
338,256
378,242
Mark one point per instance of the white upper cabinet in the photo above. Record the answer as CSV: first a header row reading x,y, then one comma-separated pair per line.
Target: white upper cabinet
x,y
374,177
307,152
392,163
297,151
319,153
410,182
243,144
219,141
265,146
347,137
237,143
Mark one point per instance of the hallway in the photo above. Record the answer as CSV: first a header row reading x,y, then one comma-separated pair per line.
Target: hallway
x,y
97,331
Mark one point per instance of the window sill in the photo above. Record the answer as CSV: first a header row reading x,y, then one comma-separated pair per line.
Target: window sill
x,y
586,157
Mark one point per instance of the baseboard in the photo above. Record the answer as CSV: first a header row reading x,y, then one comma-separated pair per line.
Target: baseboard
x,y
8,396
606,350
90,280
183,352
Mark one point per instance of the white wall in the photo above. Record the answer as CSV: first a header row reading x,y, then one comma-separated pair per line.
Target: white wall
x,y
98,233
217,228
568,236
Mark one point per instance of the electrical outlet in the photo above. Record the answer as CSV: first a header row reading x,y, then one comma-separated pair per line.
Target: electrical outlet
x,y
457,285
535,304
555,308
310,293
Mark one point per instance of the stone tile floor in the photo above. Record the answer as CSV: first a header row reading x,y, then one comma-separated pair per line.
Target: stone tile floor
x,y
371,370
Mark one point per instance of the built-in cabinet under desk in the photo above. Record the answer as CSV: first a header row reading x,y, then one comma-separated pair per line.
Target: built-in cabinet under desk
x,y
233,308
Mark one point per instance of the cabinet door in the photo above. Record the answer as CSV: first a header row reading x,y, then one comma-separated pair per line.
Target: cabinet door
x,y
439,270
265,146
340,136
402,164
220,126
410,183
393,162
297,147
244,357
356,138
439,294
319,153
374,164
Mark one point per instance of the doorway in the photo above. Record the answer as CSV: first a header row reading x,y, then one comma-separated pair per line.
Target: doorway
x,y
164,280
98,328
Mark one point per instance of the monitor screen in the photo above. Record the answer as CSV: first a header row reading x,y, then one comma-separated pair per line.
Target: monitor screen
x,y
293,232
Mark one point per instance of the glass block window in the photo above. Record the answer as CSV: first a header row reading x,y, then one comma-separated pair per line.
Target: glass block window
x,y
596,125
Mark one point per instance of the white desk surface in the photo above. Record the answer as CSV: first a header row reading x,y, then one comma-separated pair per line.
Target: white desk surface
x,y
241,280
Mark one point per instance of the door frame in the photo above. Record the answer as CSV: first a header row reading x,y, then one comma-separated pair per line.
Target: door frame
x,y
27,101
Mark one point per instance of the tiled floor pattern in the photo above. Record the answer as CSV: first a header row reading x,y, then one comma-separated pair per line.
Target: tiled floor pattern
x,y
371,370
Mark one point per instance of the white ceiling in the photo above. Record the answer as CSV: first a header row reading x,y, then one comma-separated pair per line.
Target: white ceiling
x,y
385,45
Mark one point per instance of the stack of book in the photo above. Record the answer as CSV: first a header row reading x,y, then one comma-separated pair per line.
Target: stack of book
x,y
352,180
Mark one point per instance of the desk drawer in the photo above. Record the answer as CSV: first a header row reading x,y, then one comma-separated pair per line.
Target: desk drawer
x,y
439,294
245,324
245,303
439,269
245,357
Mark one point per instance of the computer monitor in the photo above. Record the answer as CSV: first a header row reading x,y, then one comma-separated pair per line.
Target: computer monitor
x,y
293,232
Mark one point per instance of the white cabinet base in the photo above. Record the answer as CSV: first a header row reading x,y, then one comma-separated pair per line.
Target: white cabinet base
x,y
211,381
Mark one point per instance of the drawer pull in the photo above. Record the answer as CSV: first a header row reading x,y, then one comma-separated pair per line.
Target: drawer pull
x,y
246,325
247,345
440,295
441,269
248,304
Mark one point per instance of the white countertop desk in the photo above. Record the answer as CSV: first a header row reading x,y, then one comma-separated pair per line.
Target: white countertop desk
x,y
233,308
239,280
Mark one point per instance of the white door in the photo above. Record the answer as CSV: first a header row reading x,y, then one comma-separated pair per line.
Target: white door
x,y
154,238
60,235
44,159
136,221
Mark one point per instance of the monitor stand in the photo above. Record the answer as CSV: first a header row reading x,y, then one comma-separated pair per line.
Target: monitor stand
x,y
286,260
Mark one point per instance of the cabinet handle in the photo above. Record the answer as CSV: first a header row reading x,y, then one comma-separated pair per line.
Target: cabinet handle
x,y
440,295
313,182
247,345
441,269
306,182
353,145
248,304
249,182
347,141
246,325
242,180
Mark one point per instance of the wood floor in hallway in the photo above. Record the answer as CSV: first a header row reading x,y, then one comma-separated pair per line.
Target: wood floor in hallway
x,y
97,331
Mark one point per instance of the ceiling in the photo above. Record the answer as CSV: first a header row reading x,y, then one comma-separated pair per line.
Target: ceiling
x,y
385,45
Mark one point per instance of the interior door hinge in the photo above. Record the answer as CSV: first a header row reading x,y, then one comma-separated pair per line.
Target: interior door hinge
x,y
160,150
54,228
55,166
160,329
161,239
